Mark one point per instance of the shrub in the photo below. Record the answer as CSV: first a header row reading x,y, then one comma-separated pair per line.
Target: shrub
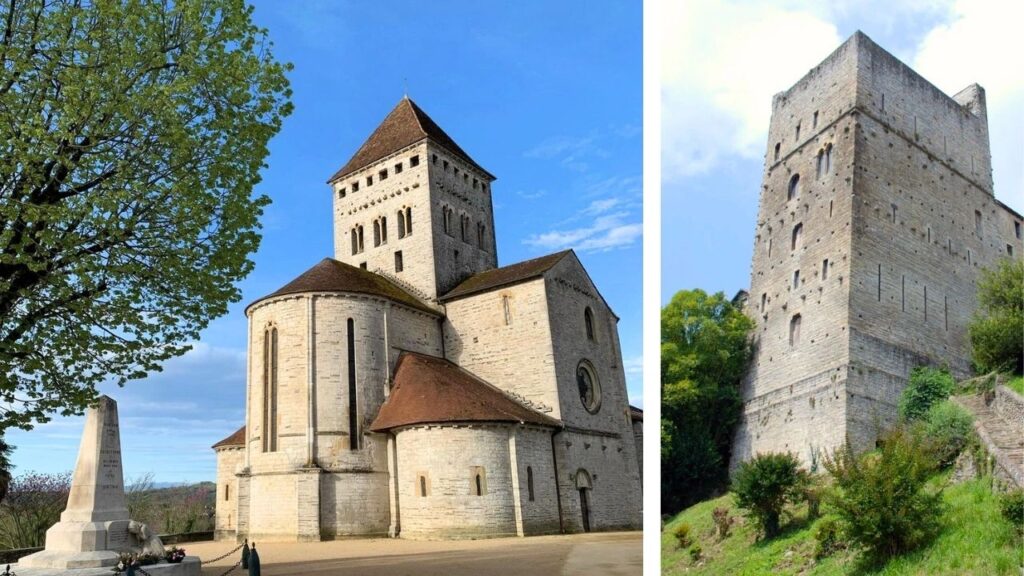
x,y
682,534
883,499
997,331
812,491
1011,504
722,522
763,486
34,502
828,538
948,427
696,553
926,387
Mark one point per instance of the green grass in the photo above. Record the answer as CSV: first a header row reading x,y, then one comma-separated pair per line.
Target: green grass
x,y
1016,384
975,540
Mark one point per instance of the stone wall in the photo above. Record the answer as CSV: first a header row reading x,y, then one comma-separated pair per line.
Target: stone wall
x,y
532,450
897,197
1009,405
514,351
230,460
448,457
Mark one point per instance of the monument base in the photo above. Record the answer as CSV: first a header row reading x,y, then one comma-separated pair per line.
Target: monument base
x,y
190,566
77,545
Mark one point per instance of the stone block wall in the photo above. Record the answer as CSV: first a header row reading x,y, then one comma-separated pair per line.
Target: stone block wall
x,y
514,351
447,457
230,460
532,450
354,504
614,497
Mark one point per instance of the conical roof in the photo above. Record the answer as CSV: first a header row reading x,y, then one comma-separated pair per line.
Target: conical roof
x,y
431,390
405,125
330,275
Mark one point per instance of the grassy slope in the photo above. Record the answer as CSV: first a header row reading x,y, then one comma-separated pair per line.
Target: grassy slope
x,y
975,540
1016,384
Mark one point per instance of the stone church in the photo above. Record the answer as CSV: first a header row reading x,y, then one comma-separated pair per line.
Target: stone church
x,y
877,215
410,387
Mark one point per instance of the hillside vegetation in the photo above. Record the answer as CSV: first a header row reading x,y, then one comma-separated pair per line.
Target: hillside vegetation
x,y
975,540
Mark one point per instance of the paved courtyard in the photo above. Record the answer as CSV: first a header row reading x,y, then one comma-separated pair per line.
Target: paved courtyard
x,y
608,553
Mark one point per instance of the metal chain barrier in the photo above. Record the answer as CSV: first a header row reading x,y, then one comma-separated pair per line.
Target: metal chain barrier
x,y
140,570
239,547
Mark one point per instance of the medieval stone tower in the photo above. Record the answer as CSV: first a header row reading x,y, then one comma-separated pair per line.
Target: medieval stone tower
x,y
877,214
411,387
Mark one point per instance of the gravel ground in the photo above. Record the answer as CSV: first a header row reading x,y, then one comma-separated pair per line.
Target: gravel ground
x,y
607,553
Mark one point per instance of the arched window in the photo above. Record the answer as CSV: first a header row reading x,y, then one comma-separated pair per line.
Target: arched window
x,y
401,224
798,232
376,233
819,167
383,229
423,486
794,330
529,482
507,308
477,481
446,220
408,221
828,159
794,187
589,387
355,242
588,320
270,389
227,492
778,147
479,485
464,227
481,231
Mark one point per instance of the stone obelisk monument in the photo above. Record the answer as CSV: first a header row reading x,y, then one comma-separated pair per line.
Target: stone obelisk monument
x,y
93,529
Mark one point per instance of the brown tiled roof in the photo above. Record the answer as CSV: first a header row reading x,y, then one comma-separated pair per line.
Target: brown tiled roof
x,y
636,413
236,439
430,390
511,274
330,275
405,125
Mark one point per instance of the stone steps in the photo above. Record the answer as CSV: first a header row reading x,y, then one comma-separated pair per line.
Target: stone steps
x,y
1001,430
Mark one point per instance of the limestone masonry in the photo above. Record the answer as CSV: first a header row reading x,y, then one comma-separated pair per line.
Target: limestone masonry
x,y
876,216
410,387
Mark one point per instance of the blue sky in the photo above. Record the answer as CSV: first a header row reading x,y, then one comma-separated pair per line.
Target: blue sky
x,y
546,96
723,60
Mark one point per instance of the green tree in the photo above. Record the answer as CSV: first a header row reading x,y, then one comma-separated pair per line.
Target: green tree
x,y
997,330
764,485
132,133
926,387
704,353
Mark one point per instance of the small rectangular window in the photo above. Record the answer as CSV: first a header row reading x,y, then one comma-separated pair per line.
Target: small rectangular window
x,y
824,269
1016,229
444,164
893,206
476,183
383,174
399,266
398,168
341,192
433,158
369,180
456,170
796,279
362,265
814,123
977,222
764,300
798,131
355,186
1009,250
414,161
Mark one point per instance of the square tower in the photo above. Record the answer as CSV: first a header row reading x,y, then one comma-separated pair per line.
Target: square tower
x,y
876,216
411,205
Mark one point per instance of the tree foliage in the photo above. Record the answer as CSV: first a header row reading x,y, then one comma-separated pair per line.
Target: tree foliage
x,y
764,485
926,387
33,504
883,499
997,330
132,133
704,354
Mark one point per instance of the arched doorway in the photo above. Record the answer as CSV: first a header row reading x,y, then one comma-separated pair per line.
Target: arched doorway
x,y
583,486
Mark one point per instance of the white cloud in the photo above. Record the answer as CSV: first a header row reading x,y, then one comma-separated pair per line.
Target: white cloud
x,y
721,64
981,44
606,232
633,364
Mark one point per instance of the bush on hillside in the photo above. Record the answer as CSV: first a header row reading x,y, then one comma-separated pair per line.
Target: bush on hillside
x,y
882,498
949,428
682,534
1011,504
828,538
926,387
765,484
